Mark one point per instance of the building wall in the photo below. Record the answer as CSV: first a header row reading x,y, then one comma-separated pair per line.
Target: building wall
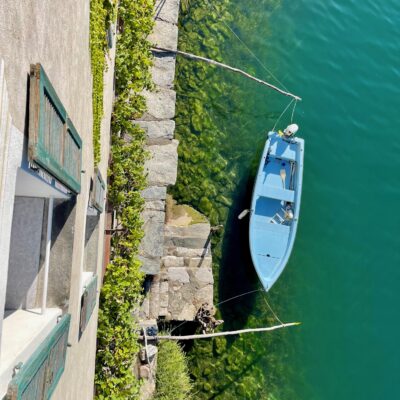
x,y
56,34
6,210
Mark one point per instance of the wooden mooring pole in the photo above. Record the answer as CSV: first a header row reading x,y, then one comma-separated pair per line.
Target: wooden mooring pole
x,y
228,67
216,334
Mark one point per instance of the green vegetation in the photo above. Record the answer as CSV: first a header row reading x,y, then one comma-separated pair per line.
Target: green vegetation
x,y
117,333
101,13
176,211
173,381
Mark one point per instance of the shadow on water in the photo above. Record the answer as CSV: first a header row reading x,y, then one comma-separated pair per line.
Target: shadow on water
x,y
237,275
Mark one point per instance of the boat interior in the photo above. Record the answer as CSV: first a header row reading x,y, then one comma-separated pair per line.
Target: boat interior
x,y
274,197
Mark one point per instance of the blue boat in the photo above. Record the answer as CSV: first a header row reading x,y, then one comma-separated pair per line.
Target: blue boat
x,y
275,205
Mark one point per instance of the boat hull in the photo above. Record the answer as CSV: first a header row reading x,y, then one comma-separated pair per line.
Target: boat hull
x,y
275,206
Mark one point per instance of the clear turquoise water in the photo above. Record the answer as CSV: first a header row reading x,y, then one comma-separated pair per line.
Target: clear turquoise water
x,y
342,282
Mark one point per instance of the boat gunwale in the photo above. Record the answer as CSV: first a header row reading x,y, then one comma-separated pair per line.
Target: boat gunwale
x,y
297,201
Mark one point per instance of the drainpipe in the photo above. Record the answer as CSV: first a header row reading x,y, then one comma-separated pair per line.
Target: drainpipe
x,y
47,256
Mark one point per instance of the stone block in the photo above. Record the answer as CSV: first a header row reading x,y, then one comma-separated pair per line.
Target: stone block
x,y
145,308
199,262
196,230
185,252
163,312
144,372
164,286
151,352
164,35
163,70
187,314
150,266
178,274
158,130
172,261
160,104
154,297
155,193
204,276
153,227
204,295
154,205
164,300
182,241
167,10
162,166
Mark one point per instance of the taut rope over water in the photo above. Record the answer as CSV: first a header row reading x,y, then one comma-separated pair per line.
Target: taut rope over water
x,y
228,67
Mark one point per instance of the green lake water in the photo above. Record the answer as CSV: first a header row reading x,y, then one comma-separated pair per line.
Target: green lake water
x,y
342,281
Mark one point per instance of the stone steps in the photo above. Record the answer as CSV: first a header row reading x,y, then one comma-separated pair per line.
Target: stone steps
x,y
196,236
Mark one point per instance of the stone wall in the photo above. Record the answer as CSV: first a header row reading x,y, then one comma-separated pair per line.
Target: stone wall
x,y
159,125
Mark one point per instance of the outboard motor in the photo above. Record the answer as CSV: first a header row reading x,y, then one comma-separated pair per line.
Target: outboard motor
x,y
290,131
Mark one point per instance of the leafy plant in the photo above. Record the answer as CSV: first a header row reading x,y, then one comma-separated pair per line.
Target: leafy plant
x,y
173,381
117,344
100,13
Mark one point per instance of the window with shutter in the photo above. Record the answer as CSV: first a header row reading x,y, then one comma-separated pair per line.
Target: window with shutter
x,y
88,303
54,143
38,377
98,192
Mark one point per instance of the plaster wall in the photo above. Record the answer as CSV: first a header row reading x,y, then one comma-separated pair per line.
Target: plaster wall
x,y
6,211
56,34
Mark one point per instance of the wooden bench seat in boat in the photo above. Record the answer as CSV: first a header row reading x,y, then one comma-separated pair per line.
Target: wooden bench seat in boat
x,y
262,224
276,193
283,150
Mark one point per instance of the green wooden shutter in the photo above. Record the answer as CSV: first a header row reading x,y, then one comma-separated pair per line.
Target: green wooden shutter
x,y
38,377
88,303
54,143
98,191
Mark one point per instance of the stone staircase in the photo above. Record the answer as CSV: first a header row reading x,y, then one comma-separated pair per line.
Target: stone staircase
x,y
185,281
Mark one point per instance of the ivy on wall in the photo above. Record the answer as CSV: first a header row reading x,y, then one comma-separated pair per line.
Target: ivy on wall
x,y
117,344
101,12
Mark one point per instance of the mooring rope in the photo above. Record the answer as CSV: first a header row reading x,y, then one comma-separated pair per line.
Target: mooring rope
x,y
294,108
273,312
240,295
247,47
236,297
283,112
